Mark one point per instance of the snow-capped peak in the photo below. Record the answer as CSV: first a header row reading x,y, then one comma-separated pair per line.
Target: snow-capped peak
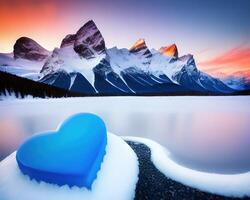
x,y
29,49
140,48
121,59
69,40
132,69
79,52
170,50
188,59
89,41
139,44
67,59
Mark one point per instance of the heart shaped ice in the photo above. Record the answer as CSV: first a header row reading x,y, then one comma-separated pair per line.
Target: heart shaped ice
x,y
71,155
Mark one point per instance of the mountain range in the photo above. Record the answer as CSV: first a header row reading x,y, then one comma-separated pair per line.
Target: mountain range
x,y
84,65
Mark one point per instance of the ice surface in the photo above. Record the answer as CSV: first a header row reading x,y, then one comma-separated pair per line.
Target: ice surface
x,y
210,134
116,179
77,157
235,185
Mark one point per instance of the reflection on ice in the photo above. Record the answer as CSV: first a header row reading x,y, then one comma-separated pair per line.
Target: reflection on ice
x,y
205,133
11,135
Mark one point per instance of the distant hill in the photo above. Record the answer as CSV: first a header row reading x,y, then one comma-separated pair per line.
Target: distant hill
x,y
23,87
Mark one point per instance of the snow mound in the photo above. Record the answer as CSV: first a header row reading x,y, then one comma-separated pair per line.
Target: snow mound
x,y
231,185
116,179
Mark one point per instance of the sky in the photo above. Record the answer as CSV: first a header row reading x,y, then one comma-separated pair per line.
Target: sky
x,y
216,32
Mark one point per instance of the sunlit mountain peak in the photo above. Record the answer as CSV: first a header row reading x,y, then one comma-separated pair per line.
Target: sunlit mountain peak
x,y
169,50
139,44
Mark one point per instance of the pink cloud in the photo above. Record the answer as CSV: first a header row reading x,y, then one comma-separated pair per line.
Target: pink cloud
x,y
230,62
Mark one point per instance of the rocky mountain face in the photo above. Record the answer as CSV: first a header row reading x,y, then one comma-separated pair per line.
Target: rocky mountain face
x,y
84,64
237,82
140,48
68,40
53,62
86,44
27,48
169,50
89,41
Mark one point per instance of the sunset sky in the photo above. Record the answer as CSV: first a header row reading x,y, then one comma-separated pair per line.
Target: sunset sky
x,y
217,32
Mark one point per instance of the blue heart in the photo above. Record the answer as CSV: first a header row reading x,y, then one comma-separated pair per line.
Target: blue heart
x,y
71,155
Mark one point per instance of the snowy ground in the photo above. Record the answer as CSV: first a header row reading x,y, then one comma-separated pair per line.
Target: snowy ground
x,y
210,134
116,179
207,138
20,67
231,185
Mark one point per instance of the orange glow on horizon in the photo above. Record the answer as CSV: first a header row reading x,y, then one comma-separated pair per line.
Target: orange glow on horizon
x,y
49,21
235,61
32,19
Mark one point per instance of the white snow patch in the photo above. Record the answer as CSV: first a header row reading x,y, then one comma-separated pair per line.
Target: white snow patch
x,y
73,78
231,185
20,67
116,179
11,96
121,59
236,82
158,64
67,59
114,85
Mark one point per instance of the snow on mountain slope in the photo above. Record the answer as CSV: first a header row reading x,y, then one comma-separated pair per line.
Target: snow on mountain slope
x,y
237,83
213,84
84,64
121,59
238,80
26,60
134,72
158,64
143,74
189,76
79,53
67,59
140,49
107,81
161,64
20,67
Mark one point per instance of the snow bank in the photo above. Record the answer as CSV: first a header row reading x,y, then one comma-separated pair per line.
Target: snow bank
x,y
232,185
116,180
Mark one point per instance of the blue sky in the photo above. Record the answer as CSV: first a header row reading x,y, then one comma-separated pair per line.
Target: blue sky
x,y
203,28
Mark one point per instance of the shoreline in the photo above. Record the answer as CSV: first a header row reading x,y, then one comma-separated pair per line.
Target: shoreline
x,y
153,184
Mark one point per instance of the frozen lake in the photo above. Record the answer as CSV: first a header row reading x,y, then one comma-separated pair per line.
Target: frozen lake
x,y
205,133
